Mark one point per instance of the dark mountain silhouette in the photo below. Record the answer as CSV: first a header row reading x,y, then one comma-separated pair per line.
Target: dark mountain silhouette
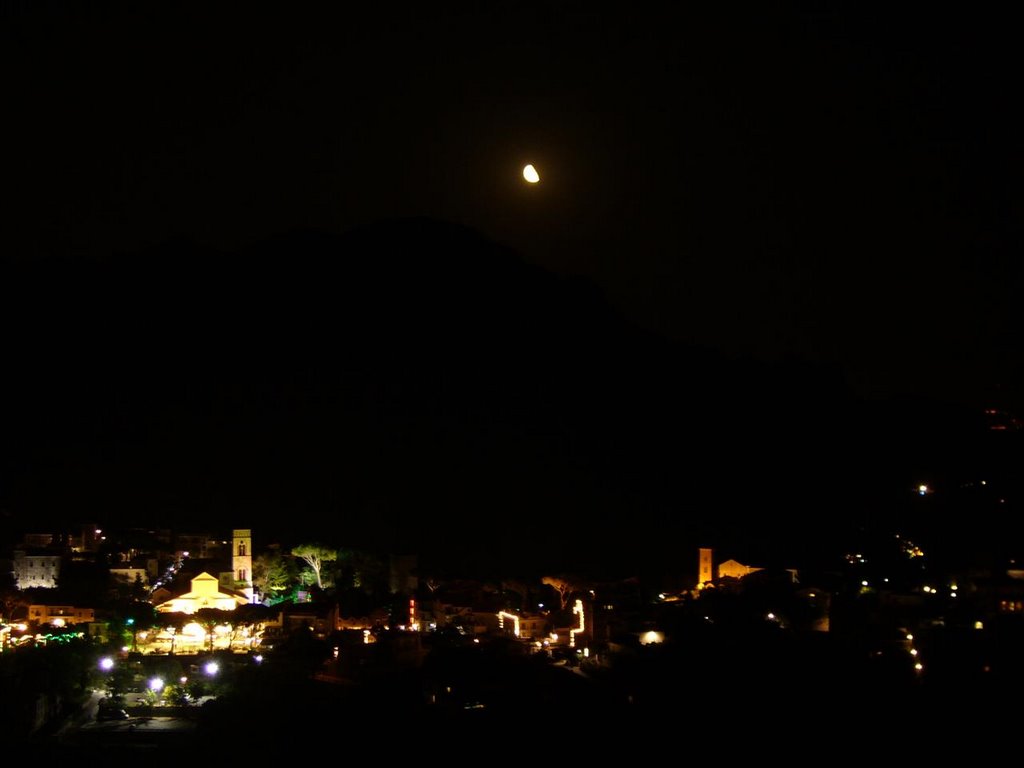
x,y
413,386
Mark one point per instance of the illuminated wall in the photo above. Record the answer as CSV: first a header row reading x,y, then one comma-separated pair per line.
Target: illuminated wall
x,y
241,559
704,572
60,614
205,593
36,570
736,570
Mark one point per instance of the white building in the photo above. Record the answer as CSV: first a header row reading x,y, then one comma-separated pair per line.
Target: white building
x,y
35,570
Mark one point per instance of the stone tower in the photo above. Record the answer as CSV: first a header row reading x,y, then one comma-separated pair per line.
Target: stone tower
x,y
241,559
704,572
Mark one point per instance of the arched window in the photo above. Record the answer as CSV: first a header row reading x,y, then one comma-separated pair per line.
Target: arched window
x,y
241,549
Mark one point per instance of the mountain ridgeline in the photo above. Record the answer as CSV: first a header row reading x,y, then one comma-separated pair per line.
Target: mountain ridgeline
x,y
412,386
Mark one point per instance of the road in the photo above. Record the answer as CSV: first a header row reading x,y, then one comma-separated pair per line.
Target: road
x,y
85,735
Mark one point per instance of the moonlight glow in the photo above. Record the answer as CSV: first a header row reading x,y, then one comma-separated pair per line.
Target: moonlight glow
x,y
530,174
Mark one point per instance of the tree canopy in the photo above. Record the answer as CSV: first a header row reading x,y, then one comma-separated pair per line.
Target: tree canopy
x,y
315,555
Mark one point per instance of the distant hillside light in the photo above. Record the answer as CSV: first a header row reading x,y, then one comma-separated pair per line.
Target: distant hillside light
x,y
530,174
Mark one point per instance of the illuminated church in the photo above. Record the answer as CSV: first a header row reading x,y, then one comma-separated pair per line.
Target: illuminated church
x,y
231,590
206,592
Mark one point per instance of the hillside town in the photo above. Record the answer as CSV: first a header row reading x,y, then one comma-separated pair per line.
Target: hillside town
x,y
164,620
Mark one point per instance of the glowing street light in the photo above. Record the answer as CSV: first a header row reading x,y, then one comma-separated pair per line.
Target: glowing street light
x,y
211,668
106,663
156,684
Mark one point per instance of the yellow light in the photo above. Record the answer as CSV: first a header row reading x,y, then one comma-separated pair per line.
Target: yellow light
x,y
530,174
979,625
577,608
910,637
913,651
919,666
502,615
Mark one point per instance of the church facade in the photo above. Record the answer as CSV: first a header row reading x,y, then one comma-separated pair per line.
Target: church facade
x,y
206,592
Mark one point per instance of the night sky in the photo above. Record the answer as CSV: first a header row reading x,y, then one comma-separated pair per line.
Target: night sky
x,y
278,267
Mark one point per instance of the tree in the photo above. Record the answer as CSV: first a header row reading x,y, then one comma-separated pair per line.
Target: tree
x,y
563,585
176,695
362,570
13,602
173,623
253,617
129,589
315,555
211,618
138,617
515,592
273,574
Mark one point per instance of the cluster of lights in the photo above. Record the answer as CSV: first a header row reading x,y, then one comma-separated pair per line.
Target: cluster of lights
x,y
910,549
918,666
171,570
502,615
577,609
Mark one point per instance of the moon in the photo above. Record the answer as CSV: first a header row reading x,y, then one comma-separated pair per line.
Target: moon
x,y
530,174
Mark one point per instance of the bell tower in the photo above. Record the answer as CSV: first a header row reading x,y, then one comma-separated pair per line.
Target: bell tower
x,y
705,574
241,559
